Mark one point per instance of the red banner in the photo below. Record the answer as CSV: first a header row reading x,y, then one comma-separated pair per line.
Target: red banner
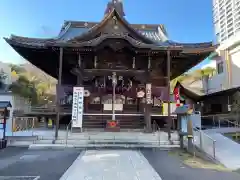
x,y
176,94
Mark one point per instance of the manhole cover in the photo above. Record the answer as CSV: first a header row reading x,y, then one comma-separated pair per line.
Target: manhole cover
x,y
19,177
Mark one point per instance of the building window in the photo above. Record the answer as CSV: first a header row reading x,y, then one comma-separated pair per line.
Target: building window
x,y
217,37
220,67
230,34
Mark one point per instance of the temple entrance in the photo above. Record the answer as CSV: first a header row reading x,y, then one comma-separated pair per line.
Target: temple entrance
x,y
117,103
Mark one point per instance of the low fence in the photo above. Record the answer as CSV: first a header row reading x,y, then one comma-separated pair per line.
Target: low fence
x,y
24,123
223,121
205,143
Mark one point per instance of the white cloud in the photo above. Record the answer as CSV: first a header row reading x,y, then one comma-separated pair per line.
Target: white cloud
x,y
211,64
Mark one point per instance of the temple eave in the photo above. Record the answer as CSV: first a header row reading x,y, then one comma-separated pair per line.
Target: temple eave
x,y
38,61
40,43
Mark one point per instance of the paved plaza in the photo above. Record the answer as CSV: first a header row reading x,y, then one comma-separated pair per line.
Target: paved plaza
x,y
38,164
104,164
111,164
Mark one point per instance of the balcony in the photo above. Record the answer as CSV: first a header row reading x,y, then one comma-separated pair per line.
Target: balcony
x,y
216,83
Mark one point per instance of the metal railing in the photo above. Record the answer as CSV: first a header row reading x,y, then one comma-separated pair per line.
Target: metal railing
x,y
156,128
231,123
223,121
67,131
206,143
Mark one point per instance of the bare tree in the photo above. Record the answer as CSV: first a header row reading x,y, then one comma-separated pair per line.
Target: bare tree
x,y
235,107
3,76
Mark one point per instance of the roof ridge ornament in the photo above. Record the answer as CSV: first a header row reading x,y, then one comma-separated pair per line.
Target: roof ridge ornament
x,y
117,5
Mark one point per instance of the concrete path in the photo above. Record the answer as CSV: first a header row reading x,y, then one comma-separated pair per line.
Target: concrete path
x,y
227,151
109,165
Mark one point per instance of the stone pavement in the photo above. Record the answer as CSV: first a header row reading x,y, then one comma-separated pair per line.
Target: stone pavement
x,y
109,165
24,164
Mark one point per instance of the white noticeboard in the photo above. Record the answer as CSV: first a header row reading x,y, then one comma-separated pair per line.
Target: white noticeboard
x,y
149,93
77,106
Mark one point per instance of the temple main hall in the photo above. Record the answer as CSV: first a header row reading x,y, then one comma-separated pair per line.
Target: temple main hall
x,y
125,69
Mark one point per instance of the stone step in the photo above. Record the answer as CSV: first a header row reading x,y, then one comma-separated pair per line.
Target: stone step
x,y
115,142
97,136
94,143
103,130
63,146
126,122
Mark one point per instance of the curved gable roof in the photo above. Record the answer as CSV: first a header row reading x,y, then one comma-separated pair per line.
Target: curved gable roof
x,y
96,28
155,35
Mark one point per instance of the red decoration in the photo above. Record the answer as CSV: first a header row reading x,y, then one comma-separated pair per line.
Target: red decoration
x,y
177,95
112,124
178,104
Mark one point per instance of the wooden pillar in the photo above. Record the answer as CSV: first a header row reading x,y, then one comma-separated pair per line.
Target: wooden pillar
x,y
95,61
133,62
80,81
169,118
148,106
59,84
79,76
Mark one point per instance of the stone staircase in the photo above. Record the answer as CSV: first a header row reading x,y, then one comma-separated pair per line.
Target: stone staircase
x,y
126,121
131,122
94,121
98,139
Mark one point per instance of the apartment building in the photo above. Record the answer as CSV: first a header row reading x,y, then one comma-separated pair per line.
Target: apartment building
x,y
226,18
227,57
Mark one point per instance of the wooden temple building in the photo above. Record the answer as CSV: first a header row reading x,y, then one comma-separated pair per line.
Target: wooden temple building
x,y
139,58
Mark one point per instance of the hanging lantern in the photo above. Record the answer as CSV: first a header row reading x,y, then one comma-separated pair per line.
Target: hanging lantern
x,y
140,94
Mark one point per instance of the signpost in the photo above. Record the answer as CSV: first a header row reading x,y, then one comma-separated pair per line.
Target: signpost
x,y
4,114
77,107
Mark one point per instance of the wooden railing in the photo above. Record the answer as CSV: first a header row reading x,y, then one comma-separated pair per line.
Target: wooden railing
x,y
24,123
93,108
43,109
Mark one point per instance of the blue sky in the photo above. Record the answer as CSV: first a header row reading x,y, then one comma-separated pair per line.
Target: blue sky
x,y
185,20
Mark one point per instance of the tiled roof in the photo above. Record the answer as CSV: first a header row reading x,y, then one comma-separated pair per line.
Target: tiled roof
x,y
73,32
152,32
4,104
29,41
195,87
153,35
181,110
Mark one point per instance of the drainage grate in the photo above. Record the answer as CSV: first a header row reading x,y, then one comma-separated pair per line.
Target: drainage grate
x,y
19,177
